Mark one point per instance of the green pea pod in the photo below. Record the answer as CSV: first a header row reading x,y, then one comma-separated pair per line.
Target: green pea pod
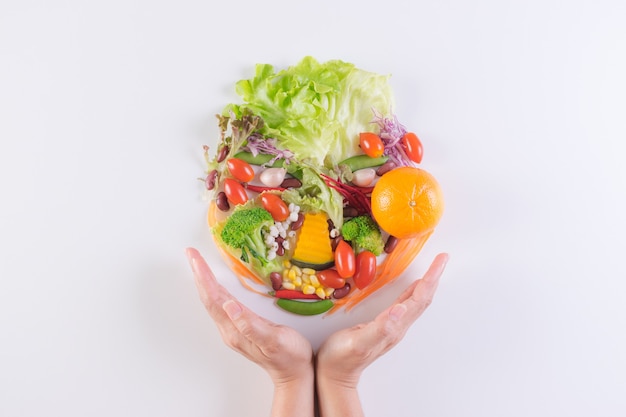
x,y
304,308
259,159
357,162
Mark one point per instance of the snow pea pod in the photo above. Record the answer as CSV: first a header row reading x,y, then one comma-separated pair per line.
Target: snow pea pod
x,y
304,308
259,159
357,162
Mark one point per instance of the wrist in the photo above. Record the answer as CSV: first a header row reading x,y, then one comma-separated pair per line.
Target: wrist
x,y
293,395
337,396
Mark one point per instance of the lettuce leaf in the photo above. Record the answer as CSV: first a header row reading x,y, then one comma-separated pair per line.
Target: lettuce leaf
x,y
316,110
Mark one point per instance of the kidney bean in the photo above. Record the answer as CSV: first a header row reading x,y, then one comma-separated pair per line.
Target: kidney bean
x,y
331,225
211,179
342,292
276,280
221,155
280,251
298,223
385,168
291,183
335,241
350,212
222,201
391,244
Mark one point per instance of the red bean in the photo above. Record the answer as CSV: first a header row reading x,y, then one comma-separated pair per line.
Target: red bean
x,y
223,152
222,201
298,223
211,179
291,183
276,280
342,292
391,244
385,168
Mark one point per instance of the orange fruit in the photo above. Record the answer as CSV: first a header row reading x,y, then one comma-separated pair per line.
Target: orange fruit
x,y
407,202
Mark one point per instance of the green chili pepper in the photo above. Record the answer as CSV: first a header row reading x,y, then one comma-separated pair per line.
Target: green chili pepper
x,y
304,308
363,161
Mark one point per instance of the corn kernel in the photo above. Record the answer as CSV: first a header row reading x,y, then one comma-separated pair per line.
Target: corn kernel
x,y
291,275
320,292
329,291
286,263
296,269
285,274
308,271
297,281
306,279
308,289
288,285
314,281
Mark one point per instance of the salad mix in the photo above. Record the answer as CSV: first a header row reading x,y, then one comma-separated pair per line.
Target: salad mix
x,y
291,183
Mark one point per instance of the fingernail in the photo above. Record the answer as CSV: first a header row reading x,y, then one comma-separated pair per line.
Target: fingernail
x,y
397,312
232,309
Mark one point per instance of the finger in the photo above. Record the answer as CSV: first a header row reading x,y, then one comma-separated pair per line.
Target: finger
x,y
259,332
422,295
212,294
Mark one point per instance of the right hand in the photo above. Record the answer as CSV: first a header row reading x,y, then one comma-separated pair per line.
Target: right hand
x,y
345,354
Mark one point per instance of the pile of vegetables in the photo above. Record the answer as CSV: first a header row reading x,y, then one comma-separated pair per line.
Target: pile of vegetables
x,y
291,179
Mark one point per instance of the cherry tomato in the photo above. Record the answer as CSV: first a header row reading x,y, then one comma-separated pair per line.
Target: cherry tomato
x,y
413,147
344,259
330,278
276,206
371,144
240,169
365,269
235,192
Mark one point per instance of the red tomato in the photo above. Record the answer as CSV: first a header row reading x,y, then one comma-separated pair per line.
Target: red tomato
x,y
276,206
235,192
344,259
240,169
365,269
413,147
330,278
371,144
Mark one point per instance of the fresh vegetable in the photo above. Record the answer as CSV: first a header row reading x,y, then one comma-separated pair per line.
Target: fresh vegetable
x,y
371,144
364,234
276,206
365,269
305,308
319,140
331,278
245,229
313,248
235,192
295,295
344,260
240,169
311,108
260,159
272,177
314,195
357,162
413,147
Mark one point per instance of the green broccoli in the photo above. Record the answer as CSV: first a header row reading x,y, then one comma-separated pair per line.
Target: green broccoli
x,y
364,234
244,230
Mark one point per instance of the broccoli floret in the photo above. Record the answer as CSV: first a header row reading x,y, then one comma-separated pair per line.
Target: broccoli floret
x,y
364,234
244,230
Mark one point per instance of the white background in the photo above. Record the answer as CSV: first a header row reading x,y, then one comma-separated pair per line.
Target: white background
x,y
105,106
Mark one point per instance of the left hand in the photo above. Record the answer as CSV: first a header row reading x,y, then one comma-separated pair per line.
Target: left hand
x,y
284,353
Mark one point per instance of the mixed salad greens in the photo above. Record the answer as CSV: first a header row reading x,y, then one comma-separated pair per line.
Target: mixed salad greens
x,y
291,177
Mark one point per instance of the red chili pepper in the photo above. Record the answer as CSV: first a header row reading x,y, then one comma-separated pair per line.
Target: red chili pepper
x,y
260,188
294,295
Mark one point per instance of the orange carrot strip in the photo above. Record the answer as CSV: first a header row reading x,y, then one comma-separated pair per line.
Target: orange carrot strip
x,y
391,268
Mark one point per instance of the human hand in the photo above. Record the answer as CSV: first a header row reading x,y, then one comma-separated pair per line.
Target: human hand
x,y
284,353
345,354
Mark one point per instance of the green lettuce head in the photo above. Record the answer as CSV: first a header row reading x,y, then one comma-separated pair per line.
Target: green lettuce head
x,y
316,110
